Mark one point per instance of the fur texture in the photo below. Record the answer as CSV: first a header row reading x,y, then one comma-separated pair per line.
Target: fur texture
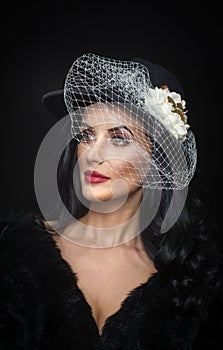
x,y
42,308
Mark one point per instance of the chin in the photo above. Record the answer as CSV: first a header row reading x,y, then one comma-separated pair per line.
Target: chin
x,y
97,192
93,195
105,192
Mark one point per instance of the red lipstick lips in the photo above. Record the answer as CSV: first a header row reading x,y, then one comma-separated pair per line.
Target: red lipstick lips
x,y
94,177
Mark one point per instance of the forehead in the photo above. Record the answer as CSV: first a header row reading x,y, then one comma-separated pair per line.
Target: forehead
x,y
110,115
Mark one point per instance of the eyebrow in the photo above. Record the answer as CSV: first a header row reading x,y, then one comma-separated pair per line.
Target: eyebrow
x,y
121,127
116,128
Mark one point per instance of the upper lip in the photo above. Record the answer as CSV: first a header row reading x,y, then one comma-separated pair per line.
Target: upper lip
x,y
94,173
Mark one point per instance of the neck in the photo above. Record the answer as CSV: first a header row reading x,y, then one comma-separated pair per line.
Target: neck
x,y
102,215
108,229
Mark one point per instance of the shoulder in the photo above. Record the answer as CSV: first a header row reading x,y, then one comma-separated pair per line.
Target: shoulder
x,y
28,255
19,220
25,243
29,262
20,227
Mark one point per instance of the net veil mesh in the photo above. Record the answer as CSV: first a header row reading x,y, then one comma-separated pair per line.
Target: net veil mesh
x,y
105,99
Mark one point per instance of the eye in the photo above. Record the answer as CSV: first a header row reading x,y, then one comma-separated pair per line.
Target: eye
x,y
119,139
84,136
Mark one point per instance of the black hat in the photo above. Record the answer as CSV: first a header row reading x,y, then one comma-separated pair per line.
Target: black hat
x,y
54,103
135,88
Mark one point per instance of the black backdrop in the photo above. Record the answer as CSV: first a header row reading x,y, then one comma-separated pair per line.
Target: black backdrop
x,y
39,42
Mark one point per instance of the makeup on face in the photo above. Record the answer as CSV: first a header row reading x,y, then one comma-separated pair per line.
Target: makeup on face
x,y
117,136
94,177
112,143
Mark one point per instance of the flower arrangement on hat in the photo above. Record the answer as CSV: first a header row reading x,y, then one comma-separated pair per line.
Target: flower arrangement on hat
x,y
168,107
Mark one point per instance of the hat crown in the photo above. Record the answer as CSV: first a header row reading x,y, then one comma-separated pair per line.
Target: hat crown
x,y
127,79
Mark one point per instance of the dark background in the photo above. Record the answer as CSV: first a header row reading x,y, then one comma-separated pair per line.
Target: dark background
x,y
39,42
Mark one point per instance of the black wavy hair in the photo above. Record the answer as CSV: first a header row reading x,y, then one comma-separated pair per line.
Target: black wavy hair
x,y
188,255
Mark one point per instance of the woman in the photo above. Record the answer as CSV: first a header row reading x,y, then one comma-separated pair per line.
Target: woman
x,y
130,259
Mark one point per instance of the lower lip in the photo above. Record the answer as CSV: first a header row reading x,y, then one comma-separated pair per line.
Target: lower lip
x,y
95,179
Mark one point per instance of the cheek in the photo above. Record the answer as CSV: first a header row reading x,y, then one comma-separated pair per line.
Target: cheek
x,y
80,154
80,150
133,163
126,170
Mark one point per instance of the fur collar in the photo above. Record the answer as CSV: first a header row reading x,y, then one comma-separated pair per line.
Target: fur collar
x,y
42,307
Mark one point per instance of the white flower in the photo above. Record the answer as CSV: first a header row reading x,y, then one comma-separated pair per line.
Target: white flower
x,y
169,108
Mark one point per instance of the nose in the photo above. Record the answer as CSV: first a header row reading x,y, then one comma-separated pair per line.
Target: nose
x,y
94,154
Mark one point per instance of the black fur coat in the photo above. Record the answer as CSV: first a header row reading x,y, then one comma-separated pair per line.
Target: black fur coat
x,y
42,308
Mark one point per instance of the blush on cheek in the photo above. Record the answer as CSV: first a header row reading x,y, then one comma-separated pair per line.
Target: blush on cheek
x,y
80,150
126,171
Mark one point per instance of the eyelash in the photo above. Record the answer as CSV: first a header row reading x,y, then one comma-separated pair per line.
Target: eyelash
x,y
80,137
121,140
117,139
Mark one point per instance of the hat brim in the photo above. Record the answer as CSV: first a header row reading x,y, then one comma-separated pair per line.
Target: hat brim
x,y
54,101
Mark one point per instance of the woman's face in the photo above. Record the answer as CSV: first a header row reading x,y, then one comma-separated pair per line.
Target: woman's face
x,y
110,153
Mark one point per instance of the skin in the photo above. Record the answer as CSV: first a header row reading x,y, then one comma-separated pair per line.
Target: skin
x,y
112,146
106,275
